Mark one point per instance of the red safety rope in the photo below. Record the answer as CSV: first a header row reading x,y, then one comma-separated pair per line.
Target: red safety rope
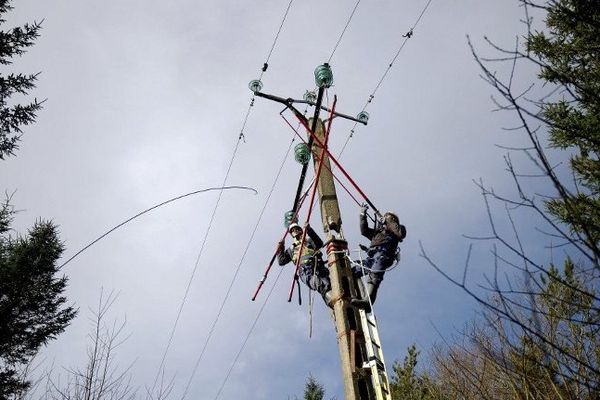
x,y
326,166
314,192
264,277
337,164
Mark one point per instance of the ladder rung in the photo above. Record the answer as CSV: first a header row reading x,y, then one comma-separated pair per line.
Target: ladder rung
x,y
378,363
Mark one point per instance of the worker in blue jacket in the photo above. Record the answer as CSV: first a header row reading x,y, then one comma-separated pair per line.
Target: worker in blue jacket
x,y
385,236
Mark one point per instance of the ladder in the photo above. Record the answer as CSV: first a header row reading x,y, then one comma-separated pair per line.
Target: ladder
x,y
375,356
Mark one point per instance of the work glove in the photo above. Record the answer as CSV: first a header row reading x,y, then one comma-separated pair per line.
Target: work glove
x,y
363,209
280,246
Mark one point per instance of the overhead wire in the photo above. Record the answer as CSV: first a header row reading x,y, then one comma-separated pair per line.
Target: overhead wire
x,y
233,279
250,331
193,273
343,31
266,63
340,154
240,138
406,37
154,207
278,275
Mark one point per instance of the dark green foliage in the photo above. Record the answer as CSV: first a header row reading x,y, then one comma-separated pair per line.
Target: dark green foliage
x,y
13,115
569,56
33,309
406,383
313,389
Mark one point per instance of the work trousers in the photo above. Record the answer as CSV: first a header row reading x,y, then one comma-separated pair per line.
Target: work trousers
x,y
377,261
316,278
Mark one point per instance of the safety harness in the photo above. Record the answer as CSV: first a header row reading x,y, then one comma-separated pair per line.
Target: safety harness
x,y
309,256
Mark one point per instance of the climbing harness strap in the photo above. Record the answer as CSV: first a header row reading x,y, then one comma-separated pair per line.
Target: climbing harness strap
x,y
308,255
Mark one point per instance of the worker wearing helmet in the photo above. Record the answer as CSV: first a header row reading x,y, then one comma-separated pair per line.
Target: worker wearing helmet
x,y
385,236
312,270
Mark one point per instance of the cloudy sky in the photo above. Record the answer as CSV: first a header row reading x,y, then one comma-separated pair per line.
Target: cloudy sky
x,y
145,101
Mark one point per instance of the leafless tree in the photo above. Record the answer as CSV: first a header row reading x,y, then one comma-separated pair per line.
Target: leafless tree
x,y
102,378
540,328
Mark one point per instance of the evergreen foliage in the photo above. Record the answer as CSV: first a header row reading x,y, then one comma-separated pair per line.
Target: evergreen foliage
x,y
313,389
14,42
33,309
569,55
406,383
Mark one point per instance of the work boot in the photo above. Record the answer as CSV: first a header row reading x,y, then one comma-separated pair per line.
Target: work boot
x,y
364,303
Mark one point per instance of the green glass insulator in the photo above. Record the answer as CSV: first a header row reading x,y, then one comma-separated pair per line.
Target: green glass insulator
x,y
255,85
288,218
363,116
311,97
301,153
323,76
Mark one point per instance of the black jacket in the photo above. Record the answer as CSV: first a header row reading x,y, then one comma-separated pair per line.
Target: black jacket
x,y
387,235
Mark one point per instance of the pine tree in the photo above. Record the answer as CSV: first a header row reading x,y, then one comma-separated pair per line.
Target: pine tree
x,y
313,389
406,383
33,309
570,59
14,42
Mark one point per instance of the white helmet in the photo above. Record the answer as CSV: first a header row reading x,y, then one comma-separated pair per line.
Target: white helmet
x,y
292,226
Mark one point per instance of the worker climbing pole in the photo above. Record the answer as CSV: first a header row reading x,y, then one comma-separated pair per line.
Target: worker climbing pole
x,y
361,356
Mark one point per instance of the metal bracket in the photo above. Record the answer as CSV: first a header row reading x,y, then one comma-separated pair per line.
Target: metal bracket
x,y
289,103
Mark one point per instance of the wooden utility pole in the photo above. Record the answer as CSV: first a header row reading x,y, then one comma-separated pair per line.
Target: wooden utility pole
x,y
351,344
361,356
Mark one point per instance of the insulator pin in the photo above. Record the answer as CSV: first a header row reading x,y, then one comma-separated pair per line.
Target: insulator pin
x,y
255,85
288,218
311,97
323,76
301,153
363,117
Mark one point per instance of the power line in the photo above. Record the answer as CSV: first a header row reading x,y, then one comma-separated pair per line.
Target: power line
x,y
240,138
262,307
340,154
114,228
266,64
233,279
191,278
407,36
343,31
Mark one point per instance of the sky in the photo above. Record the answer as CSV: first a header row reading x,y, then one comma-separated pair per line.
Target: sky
x,y
145,101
